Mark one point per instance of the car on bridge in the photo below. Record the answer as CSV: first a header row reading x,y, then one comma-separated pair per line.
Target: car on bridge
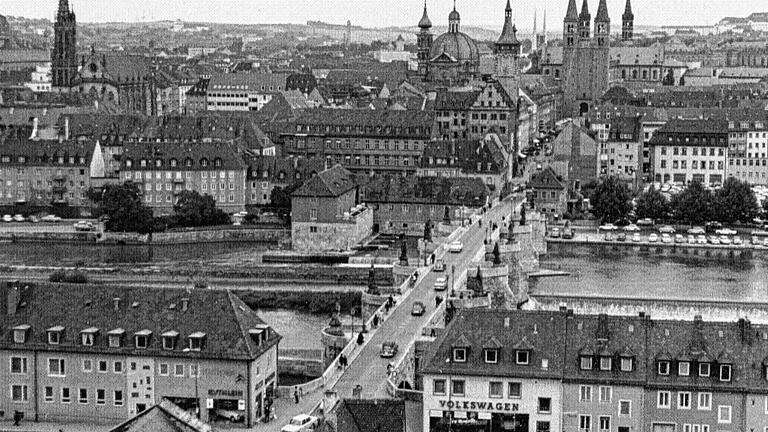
x,y
631,228
230,414
645,222
439,265
568,233
388,349
608,227
726,232
441,283
301,423
418,309
455,247
667,229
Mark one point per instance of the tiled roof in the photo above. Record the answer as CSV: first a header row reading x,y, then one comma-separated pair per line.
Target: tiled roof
x,y
332,182
371,415
378,121
546,179
694,127
15,143
471,192
199,156
464,154
221,315
200,88
163,417
455,100
284,169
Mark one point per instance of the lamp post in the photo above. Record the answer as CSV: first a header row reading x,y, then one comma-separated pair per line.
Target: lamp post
x,y
453,280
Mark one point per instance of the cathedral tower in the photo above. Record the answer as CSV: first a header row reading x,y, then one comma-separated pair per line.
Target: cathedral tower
x,y
570,25
64,54
585,21
627,23
602,25
424,41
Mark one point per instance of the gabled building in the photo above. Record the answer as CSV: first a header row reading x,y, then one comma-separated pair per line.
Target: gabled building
x,y
481,159
549,192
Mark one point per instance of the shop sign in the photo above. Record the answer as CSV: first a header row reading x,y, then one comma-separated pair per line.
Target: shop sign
x,y
241,405
479,406
229,393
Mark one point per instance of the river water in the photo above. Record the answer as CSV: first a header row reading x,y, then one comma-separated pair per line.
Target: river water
x,y
300,330
596,272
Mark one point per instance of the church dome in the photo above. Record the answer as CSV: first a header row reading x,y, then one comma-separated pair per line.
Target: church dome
x,y
459,46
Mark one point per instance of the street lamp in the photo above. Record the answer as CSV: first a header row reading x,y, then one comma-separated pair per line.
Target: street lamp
x,y
453,280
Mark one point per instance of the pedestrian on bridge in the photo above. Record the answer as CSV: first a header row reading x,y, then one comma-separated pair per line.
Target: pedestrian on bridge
x,y
376,320
296,394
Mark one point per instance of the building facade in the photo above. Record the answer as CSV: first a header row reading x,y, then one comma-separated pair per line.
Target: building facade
x,y
685,151
243,91
747,141
549,193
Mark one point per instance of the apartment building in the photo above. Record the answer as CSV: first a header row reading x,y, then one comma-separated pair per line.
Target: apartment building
x,y
683,151
243,91
747,142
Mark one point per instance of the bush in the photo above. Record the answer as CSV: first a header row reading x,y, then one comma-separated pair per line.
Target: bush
x,y
75,276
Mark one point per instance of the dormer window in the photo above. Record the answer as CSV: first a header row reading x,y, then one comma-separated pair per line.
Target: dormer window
x,y
195,341
662,367
460,355
585,362
259,334
627,364
20,333
606,363
115,338
492,356
169,339
704,369
88,336
725,372
522,357
141,338
54,335
684,368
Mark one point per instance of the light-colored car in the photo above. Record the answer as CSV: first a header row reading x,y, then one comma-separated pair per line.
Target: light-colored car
x,y
34,219
7,218
713,240
724,239
418,309
301,423
653,238
608,227
19,218
555,232
83,226
439,265
666,238
441,284
636,237
738,241
701,239
388,349
697,231
455,247
51,218
679,238
765,242
666,229
631,228
756,241
231,415
726,231
645,222
691,239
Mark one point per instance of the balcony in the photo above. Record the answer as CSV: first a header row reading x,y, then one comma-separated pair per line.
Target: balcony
x,y
59,189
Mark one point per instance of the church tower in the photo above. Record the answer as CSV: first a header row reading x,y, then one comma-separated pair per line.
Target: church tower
x,y
585,21
454,19
627,23
570,25
602,25
424,42
506,52
64,54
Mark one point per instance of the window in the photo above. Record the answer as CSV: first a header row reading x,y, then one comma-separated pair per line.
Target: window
x,y
585,423
457,387
522,357
542,426
101,397
495,389
586,363
87,365
683,368
605,363
626,364
164,369
178,370
491,356
83,396
438,387
460,355
20,332
606,393
625,408
705,401
103,366
66,397
87,338
605,423
545,405
194,370
195,341
663,368
56,367
662,400
118,398
585,393
54,337
724,414
514,389
684,400
704,369
117,367
19,393
725,372
169,342
141,339
18,365
48,394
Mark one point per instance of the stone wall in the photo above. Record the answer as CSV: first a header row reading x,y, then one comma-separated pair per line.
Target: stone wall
x,y
335,236
299,366
222,235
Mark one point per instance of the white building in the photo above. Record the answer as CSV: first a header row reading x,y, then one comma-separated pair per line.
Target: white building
x,y
748,148
41,79
243,91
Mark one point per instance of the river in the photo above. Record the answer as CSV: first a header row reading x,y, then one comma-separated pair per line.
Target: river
x,y
596,272
300,330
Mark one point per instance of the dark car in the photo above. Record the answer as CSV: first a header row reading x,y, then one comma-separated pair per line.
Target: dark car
x,y
418,309
713,226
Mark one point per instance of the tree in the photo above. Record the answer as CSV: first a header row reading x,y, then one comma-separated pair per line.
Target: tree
x,y
280,198
735,202
693,205
123,206
193,210
652,204
611,200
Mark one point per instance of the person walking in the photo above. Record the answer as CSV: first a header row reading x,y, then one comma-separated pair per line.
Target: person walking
x,y
376,320
296,394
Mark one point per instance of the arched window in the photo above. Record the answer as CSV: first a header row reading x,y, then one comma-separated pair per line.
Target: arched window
x,y
188,162
174,163
204,162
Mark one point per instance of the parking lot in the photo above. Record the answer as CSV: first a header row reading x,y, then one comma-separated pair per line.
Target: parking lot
x,y
663,235
65,226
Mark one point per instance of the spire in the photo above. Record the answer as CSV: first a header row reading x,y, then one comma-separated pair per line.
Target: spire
x,y
425,23
63,7
585,15
544,26
572,14
628,15
534,23
602,12
508,39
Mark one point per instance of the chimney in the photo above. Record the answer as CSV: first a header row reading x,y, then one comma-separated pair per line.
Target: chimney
x,y
35,123
745,331
116,304
184,304
12,297
66,128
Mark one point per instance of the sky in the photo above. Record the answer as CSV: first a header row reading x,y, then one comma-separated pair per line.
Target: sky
x,y
381,13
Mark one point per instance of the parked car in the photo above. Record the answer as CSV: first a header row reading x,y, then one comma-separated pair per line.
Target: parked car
x,y
231,415
756,241
679,238
7,218
713,240
701,239
568,233
301,423
33,219
631,228
555,232
51,218
653,238
441,284
83,226
712,226
455,247
388,349
439,265
636,237
418,309
738,241
725,231
696,231
621,237
645,222
666,238
666,229
19,218
608,227
608,236
724,239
